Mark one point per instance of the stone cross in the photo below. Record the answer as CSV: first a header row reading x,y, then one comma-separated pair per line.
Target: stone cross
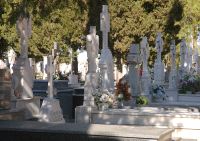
x,y
133,60
145,72
182,53
50,71
106,59
159,45
159,66
173,54
54,55
71,59
24,31
105,25
144,52
173,75
92,48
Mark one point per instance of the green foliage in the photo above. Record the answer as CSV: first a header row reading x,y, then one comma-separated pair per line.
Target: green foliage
x,y
58,20
142,100
66,21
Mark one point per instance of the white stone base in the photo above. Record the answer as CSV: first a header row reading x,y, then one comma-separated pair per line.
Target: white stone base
x,y
51,112
183,120
172,95
73,79
30,105
83,114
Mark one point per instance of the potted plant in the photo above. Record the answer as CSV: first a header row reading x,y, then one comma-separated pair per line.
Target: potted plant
x,y
158,93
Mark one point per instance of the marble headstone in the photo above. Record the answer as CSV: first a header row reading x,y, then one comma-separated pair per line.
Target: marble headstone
x,y
159,74
22,72
146,80
91,82
106,59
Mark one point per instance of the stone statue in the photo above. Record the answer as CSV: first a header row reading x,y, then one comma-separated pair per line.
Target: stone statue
x,y
24,31
92,47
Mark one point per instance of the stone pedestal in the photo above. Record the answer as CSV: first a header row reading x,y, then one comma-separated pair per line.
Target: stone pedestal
x,y
106,69
30,106
89,88
146,84
83,114
51,112
73,80
172,95
23,79
133,60
5,89
159,73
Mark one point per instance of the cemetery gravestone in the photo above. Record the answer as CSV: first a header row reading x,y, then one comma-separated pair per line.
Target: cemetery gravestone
x,y
91,82
158,65
50,110
146,80
133,60
23,74
106,60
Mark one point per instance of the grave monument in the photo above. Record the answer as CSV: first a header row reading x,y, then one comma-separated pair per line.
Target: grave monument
x,y
91,81
22,78
73,79
158,65
134,80
146,80
106,59
50,110
172,90
182,58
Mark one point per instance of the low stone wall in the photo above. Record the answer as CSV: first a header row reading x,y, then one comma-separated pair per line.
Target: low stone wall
x,y
35,131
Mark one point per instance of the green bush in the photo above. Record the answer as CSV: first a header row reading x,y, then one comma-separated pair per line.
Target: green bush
x,y
142,100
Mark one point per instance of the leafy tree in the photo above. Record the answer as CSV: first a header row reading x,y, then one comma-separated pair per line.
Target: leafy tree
x,y
58,20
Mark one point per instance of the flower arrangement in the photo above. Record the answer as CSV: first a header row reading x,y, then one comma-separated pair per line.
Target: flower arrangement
x,y
158,92
104,98
189,82
123,89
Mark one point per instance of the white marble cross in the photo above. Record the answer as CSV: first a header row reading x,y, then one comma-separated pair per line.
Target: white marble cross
x,y
50,71
92,47
182,52
173,54
24,31
159,45
105,25
144,52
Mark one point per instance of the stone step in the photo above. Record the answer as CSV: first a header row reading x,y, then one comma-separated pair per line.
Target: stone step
x,y
81,132
185,121
12,115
